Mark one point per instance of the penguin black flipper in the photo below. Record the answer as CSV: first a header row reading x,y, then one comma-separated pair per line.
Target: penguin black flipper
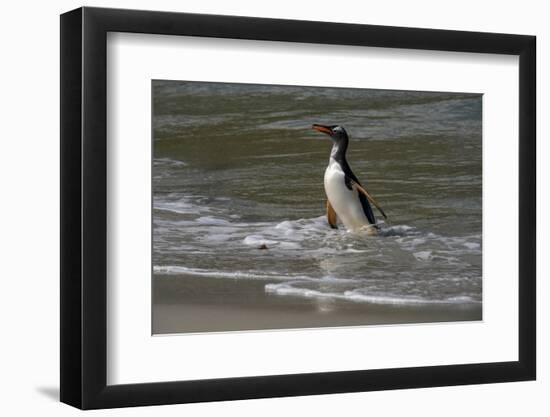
x,y
369,197
367,209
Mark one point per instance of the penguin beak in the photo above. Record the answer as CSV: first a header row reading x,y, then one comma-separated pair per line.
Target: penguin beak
x,y
322,129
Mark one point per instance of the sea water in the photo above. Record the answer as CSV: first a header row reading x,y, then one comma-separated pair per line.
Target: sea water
x,y
238,191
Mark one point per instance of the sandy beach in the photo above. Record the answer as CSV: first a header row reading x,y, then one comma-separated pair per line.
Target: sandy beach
x,y
199,304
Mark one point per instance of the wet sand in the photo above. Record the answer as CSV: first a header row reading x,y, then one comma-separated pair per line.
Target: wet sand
x,y
187,304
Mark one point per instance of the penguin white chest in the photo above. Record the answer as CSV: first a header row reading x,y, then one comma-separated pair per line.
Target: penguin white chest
x,y
345,202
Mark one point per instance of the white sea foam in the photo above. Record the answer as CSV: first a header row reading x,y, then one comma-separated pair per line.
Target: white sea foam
x,y
288,289
213,221
180,206
423,255
258,240
182,270
168,161
329,264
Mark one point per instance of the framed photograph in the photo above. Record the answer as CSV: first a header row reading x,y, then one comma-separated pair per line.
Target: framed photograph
x,y
257,208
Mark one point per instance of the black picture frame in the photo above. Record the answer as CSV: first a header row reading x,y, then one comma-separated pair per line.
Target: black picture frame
x,y
84,207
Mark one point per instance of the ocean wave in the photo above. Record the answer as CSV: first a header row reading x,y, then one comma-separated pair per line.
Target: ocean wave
x,y
404,265
310,235
260,275
169,161
356,296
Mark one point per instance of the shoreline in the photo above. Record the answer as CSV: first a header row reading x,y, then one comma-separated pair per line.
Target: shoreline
x,y
185,304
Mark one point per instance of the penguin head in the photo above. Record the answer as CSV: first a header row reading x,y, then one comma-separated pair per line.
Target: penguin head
x,y
336,132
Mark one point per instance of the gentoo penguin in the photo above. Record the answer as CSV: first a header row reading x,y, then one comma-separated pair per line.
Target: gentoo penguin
x,y
346,198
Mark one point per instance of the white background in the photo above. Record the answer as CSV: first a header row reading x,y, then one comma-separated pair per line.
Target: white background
x,y
134,356
29,218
